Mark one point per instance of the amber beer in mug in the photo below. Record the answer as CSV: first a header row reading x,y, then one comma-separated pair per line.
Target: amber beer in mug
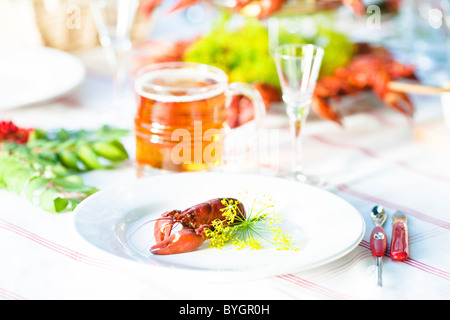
x,y
180,123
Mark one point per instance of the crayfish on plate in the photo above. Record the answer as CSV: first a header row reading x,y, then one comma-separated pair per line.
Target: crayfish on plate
x,y
194,221
371,68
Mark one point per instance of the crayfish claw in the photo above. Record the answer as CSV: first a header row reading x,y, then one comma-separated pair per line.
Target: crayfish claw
x,y
357,6
181,5
164,225
322,108
400,102
194,221
182,241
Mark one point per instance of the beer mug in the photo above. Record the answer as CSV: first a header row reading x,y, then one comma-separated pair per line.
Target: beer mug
x,y
181,120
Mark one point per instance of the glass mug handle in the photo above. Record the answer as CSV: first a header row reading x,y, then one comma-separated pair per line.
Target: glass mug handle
x,y
240,140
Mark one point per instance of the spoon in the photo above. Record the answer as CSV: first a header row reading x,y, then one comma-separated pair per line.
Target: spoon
x,y
378,239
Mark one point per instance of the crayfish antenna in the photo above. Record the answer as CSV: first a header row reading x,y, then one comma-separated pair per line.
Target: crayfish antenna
x,y
138,228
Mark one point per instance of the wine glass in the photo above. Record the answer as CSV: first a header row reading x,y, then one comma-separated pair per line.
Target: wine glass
x,y
298,68
114,19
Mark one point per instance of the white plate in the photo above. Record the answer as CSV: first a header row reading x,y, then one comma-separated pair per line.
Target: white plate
x,y
30,75
116,221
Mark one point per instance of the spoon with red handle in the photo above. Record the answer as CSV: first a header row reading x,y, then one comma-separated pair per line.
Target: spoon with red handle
x,y
378,239
399,242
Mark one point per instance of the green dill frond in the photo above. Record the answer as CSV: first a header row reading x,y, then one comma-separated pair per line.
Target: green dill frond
x,y
249,232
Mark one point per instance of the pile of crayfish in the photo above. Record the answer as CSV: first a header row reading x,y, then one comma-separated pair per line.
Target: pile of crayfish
x,y
371,68
194,221
259,8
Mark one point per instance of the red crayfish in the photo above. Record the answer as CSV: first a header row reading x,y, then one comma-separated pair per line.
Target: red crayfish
x,y
259,8
194,221
371,68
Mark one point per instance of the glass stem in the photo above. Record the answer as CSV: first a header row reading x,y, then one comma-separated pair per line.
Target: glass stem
x,y
120,74
118,111
297,117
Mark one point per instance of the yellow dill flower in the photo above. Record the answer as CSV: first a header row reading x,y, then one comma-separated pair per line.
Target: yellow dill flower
x,y
239,244
254,243
281,239
261,218
231,210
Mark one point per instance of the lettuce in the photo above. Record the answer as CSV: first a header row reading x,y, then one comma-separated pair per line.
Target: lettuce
x,y
244,53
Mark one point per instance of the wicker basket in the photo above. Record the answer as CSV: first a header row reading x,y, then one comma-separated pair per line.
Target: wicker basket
x,y
61,24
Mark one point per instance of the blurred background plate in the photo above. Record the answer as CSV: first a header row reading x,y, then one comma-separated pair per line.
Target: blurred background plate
x,y
31,75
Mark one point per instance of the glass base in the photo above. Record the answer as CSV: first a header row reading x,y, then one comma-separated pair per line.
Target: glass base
x,y
310,179
301,176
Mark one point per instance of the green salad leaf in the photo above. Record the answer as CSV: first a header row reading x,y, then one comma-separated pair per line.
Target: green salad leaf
x,y
46,169
243,54
318,29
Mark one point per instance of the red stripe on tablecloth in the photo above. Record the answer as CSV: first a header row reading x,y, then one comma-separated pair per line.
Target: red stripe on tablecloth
x,y
344,267
365,244
422,266
291,278
48,244
78,256
8,295
313,287
426,235
416,264
374,155
380,118
100,263
411,212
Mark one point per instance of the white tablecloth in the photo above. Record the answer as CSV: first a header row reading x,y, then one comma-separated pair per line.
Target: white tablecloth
x,y
373,160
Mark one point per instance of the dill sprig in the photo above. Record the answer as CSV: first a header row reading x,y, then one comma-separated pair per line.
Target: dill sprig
x,y
260,223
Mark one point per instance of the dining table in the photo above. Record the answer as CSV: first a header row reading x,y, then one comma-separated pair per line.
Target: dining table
x,y
378,157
